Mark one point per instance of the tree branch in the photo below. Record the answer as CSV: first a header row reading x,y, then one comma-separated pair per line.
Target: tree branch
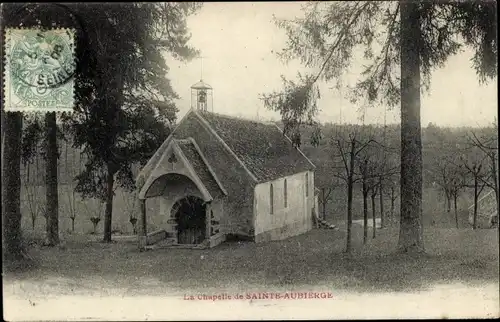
x,y
339,38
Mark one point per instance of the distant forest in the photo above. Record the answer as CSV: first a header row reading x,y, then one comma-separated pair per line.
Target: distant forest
x,y
439,144
449,155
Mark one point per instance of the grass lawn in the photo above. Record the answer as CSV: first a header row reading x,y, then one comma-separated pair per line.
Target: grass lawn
x,y
313,261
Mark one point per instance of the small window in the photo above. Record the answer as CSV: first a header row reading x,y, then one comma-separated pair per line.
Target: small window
x,y
285,193
307,184
271,199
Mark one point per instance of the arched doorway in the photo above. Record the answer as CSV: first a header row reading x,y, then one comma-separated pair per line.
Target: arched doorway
x,y
189,213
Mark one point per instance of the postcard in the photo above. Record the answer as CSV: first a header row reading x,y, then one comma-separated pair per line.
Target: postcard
x,y
249,160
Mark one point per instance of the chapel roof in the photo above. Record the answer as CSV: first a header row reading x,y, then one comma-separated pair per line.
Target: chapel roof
x,y
201,85
200,167
266,152
259,151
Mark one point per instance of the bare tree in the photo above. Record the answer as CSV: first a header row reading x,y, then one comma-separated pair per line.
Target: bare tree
x,y
443,175
72,208
478,177
369,187
452,179
51,180
488,144
381,202
389,174
374,191
324,197
457,184
348,149
131,204
373,170
33,200
374,166
365,189
388,180
74,166
326,184
393,196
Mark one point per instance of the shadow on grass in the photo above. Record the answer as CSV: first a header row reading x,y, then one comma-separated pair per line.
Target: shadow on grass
x,y
310,261
19,266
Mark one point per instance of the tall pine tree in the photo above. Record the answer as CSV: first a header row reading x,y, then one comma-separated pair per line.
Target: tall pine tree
x,y
401,42
124,102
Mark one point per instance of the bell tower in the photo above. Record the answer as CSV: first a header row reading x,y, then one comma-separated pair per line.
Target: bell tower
x,y
202,97
202,94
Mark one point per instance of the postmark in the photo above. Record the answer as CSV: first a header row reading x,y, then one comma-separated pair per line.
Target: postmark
x,y
39,70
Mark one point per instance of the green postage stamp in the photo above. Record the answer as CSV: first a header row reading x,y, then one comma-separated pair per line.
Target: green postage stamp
x,y
39,70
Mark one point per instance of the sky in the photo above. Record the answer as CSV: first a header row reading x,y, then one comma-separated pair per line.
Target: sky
x,y
237,41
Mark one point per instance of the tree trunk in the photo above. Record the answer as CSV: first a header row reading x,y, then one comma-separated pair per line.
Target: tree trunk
x,y
381,200
73,224
374,216
52,200
365,212
411,228
494,174
350,183
11,186
448,202
455,196
349,214
476,197
33,222
393,201
324,203
110,180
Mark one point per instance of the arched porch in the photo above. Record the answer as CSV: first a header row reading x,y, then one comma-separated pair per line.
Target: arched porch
x,y
183,208
187,216
188,198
